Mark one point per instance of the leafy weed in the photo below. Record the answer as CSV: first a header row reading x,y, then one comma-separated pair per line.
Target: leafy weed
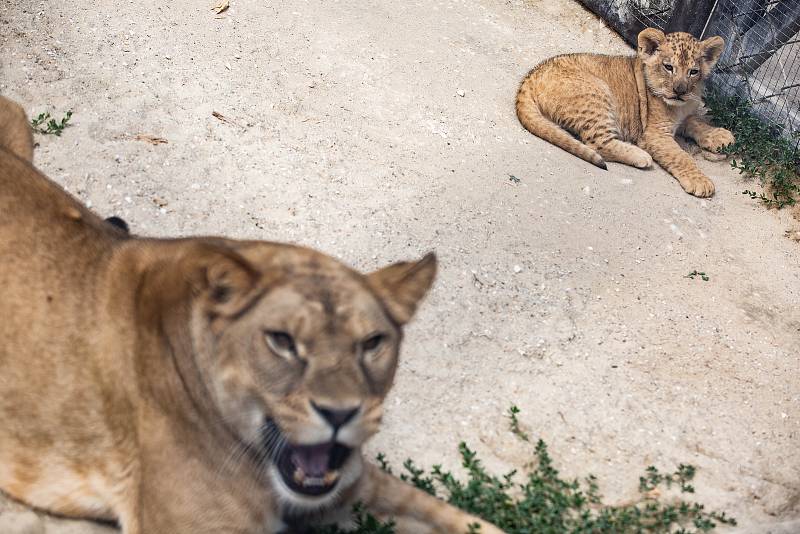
x,y
542,501
760,151
46,125
701,274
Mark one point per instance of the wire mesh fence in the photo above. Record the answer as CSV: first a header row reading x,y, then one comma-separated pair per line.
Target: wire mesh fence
x,y
761,62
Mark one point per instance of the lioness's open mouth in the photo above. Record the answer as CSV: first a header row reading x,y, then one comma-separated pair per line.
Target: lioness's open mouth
x,y
312,469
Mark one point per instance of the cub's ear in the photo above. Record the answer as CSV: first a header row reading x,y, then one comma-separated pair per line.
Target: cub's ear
x,y
225,281
402,285
649,41
712,49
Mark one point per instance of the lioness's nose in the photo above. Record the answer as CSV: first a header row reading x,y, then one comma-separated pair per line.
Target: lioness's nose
x,y
336,417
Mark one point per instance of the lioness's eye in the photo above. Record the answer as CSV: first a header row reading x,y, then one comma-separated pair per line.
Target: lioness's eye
x,y
693,72
281,344
372,344
668,67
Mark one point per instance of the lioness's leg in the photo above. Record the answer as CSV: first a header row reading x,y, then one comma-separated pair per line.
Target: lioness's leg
x,y
385,494
15,131
622,152
668,153
707,136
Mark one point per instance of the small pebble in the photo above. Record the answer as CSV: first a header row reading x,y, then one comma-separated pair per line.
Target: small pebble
x,y
461,93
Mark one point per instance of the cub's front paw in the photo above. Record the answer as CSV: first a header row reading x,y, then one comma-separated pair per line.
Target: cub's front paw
x,y
713,156
642,161
698,185
716,139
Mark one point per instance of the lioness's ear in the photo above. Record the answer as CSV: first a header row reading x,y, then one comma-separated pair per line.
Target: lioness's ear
x,y
712,49
649,41
226,281
402,285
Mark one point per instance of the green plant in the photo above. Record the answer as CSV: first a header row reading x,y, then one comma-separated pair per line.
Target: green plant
x,y
46,125
513,410
760,150
682,476
701,274
542,501
364,524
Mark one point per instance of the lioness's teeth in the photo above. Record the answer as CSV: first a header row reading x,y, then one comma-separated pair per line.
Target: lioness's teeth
x,y
302,479
299,475
331,477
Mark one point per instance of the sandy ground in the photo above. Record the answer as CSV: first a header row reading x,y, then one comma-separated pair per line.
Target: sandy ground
x,y
376,131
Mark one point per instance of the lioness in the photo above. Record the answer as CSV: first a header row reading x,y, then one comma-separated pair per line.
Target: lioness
x,y
190,386
628,109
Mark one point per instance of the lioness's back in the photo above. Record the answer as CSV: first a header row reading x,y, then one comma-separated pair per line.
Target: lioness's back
x,y
40,223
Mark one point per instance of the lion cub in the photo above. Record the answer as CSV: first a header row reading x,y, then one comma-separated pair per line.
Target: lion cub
x,y
628,109
191,386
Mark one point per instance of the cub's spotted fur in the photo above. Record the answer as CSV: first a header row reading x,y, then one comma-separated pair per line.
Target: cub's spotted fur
x,y
628,109
190,386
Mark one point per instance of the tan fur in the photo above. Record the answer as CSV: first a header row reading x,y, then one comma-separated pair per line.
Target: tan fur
x,y
628,109
16,134
146,381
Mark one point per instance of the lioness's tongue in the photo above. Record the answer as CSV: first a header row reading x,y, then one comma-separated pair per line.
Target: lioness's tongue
x,y
312,460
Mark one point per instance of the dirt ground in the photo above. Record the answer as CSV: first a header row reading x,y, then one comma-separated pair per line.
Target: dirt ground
x,y
377,131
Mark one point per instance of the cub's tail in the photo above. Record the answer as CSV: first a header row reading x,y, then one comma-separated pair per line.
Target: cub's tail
x,y
15,130
532,119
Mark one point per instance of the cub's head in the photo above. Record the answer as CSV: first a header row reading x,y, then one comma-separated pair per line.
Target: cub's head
x,y
676,64
298,352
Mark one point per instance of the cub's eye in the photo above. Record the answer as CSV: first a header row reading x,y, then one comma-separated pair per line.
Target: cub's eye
x,y
372,344
693,72
281,344
668,67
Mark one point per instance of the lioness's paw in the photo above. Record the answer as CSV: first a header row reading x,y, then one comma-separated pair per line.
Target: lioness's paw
x,y
716,139
699,186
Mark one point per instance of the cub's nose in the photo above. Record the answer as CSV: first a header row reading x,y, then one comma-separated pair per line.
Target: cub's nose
x,y
336,417
681,89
